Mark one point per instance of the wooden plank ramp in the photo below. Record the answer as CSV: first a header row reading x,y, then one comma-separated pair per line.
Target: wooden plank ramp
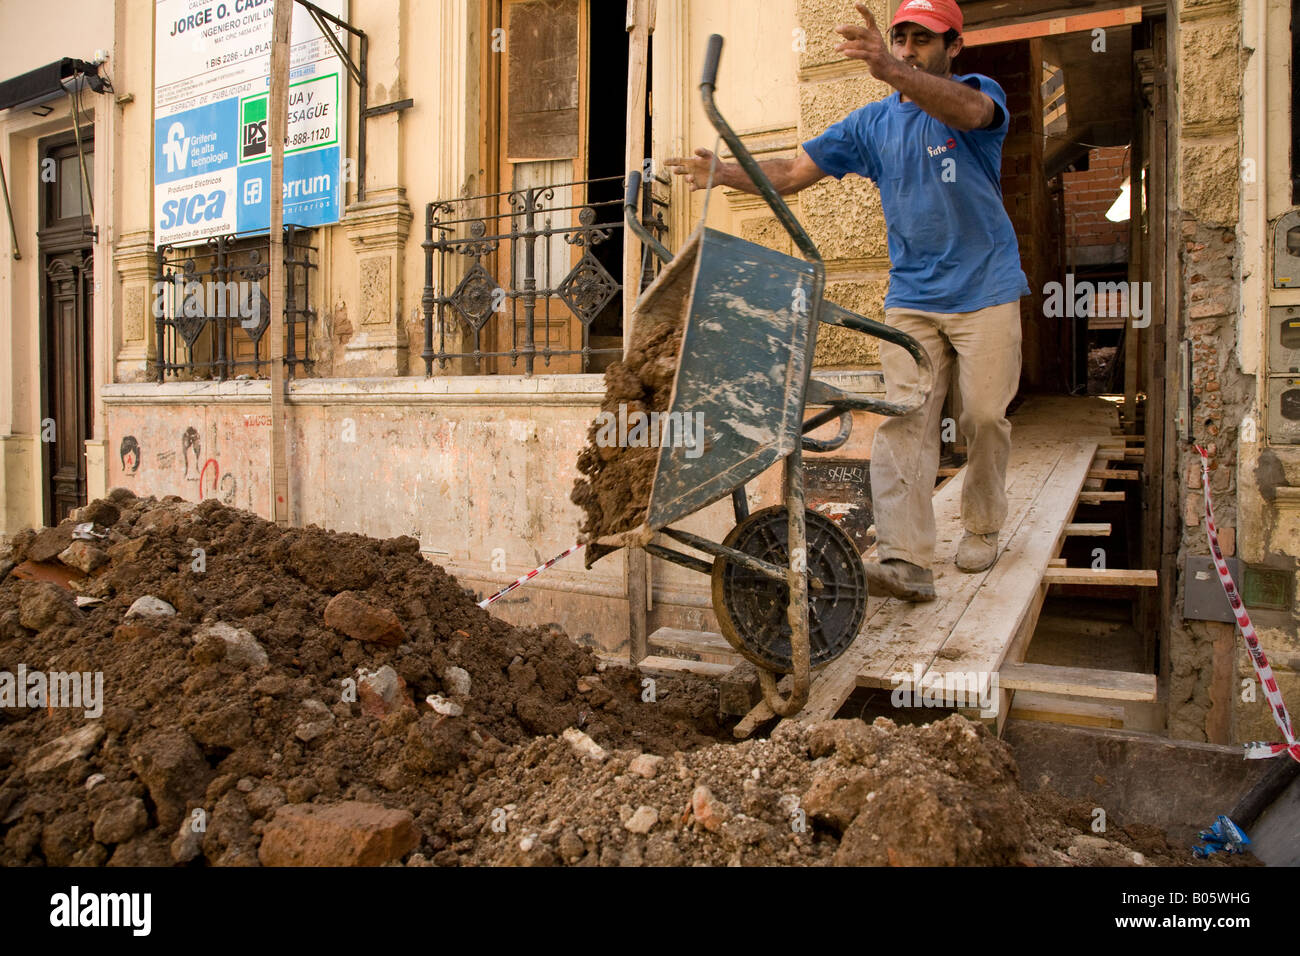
x,y
979,622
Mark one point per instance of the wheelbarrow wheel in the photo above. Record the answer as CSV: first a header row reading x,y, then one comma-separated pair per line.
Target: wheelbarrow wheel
x,y
751,608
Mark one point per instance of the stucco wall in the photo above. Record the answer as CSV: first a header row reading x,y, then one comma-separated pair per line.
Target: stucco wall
x,y
479,470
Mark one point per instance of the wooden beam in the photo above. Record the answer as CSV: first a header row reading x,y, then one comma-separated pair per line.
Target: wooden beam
x,y
1097,497
1056,562
278,118
1097,530
1035,705
640,16
1107,577
1078,681
1054,26
703,644
1115,474
676,667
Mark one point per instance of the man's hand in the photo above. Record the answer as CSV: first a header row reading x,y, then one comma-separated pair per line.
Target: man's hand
x,y
694,168
865,43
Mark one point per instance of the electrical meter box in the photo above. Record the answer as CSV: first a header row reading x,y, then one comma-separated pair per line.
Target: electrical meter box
x,y
1284,409
1284,340
1286,252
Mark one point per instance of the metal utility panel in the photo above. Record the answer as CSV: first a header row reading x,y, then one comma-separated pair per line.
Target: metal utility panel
x,y
1284,410
1203,597
1286,252
1284,340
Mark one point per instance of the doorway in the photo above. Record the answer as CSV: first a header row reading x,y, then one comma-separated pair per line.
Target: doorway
x,y
66,248
1084,180
558,131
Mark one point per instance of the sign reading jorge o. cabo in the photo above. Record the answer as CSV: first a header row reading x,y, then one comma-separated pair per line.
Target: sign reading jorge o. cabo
x,y
212,151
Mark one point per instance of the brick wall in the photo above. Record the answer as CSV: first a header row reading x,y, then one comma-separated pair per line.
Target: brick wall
x,y
1089,195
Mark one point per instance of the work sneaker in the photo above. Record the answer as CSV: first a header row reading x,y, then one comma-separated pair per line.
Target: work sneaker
x,y
977,552
900,579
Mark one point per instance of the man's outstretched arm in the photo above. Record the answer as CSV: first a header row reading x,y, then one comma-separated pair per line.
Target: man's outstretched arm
x,y
787,175
951,103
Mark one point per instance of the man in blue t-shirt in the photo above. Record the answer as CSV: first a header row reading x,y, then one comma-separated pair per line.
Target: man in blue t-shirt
x,y
934,149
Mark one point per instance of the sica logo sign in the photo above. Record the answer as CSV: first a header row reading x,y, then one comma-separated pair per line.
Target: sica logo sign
x,y
253,134
191,210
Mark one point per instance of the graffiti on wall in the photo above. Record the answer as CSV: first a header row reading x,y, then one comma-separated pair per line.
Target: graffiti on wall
x,y
129,453
190,443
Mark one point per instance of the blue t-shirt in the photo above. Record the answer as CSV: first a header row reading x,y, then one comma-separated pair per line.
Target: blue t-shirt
x,y
951,243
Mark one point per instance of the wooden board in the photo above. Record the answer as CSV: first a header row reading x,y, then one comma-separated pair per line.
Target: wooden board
x,y
1105,577
1097,497
1035,705
898,636
1086,530
675,667
1078,681
981,639
703,644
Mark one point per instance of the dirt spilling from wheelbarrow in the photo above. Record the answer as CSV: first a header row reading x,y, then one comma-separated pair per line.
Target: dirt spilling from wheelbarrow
x,y
615,490
295,695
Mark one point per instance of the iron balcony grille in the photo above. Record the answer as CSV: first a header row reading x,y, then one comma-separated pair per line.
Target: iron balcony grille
x,y
500,266
212,306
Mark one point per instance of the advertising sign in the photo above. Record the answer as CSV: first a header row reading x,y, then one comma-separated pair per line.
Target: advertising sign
x,y
212,152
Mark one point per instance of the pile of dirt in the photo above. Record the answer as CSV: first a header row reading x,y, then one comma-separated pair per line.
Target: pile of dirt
x,y
838,793
615,492
274,695
239,697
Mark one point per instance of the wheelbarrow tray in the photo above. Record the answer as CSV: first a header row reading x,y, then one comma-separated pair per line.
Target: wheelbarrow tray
x,y
742,369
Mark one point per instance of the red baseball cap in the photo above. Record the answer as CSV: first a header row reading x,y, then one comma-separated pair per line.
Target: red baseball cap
x,y
938,16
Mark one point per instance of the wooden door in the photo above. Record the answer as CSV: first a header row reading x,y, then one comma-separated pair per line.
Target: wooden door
x,y
66,423
542,123
68,281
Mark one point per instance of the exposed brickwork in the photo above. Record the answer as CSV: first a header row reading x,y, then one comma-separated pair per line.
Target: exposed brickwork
x,y
1201,684
1089,196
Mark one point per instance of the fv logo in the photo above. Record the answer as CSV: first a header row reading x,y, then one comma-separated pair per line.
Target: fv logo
x,y
176,148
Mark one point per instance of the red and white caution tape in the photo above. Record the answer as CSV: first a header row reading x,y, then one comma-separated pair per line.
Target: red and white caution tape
x,y
1256,749
529,576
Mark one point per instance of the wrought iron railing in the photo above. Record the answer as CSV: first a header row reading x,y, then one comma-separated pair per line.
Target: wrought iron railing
x,y
500,267
212,306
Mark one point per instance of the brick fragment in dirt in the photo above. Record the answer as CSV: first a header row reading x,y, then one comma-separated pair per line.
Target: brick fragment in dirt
x,y
615,490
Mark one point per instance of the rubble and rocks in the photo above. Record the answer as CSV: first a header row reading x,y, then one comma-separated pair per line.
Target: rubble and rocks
x,y
244,723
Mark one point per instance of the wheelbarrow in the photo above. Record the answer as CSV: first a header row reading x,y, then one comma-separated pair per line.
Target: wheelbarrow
x,y
789,588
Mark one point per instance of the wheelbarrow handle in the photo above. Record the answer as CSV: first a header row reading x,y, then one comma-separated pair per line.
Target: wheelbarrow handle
x,y
833,314
634,219
746,159
712,54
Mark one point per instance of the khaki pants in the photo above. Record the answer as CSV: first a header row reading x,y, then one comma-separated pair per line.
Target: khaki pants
x,y
905,453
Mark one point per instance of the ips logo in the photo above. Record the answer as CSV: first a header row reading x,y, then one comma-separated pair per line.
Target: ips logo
x,y
253,138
